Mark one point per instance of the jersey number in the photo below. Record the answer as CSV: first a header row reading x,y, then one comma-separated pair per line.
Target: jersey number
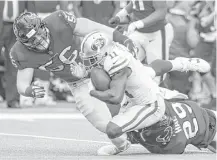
x,y
140,7
63,58
187,126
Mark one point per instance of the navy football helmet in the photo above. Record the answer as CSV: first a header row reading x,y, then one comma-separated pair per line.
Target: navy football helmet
x,y
32,32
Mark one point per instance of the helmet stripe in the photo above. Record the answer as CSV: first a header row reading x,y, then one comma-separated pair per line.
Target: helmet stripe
x,y
31,33
85,39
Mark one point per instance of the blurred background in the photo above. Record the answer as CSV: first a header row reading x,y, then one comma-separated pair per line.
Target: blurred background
x,y
194,35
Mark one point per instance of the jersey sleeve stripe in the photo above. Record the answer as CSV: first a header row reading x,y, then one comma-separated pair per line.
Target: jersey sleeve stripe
x,y
119,66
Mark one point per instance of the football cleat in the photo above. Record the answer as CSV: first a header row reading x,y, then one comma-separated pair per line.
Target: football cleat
x,y
112,149
193,64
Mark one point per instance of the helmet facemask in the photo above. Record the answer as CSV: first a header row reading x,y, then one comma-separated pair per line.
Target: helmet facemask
x,y
95,60
94,50
31,32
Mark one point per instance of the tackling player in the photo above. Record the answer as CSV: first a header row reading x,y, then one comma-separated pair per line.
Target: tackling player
x,y
185,123
129,76
53,44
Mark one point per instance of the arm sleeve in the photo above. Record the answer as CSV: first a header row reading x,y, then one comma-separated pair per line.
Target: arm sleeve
x,y
15,61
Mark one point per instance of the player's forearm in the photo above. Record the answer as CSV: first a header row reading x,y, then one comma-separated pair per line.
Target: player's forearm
x,y
114,97
116,5
24,79
109,96
85,26
158,15
77,8
192,35
129,8
122,14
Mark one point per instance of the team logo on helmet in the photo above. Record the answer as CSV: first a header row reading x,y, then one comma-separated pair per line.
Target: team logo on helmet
x,y
166,137
98,44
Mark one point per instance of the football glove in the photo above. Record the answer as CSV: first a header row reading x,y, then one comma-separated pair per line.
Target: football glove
x,y
114,21
35,91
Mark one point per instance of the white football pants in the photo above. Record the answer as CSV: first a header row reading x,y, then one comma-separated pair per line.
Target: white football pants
x,y
95,111
140,116
156,44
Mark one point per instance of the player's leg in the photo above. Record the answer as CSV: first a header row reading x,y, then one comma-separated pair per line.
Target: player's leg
x,y
133,118
94,110
158,48
180,64
141,42
136,117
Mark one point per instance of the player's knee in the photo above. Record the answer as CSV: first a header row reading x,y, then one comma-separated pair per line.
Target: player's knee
x,y
113,130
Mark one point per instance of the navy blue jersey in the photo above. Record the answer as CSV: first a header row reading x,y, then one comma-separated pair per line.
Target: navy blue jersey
x,y
184,123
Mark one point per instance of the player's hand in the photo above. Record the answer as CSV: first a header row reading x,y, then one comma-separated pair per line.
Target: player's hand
x,y
35,91
131,28
209,37
114,21
205,21
78,70
131,47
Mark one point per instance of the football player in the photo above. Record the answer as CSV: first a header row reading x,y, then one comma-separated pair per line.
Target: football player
x,y
147,26
185,123
129,76
53,44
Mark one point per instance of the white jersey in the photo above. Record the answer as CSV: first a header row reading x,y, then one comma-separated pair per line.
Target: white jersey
x,y
140,86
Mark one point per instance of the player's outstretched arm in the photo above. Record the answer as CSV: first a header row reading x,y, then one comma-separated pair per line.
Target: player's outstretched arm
x,y
24,87
85,26
115,94
122,17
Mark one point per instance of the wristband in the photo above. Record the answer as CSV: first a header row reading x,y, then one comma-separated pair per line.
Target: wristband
x,y
122,14
139,24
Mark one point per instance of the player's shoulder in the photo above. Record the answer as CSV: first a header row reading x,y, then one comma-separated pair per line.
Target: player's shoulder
x,y
18,55
18,50
59,18
67,16
114,63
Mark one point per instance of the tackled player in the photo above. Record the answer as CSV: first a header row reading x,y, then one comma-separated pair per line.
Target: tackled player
x,y
129,76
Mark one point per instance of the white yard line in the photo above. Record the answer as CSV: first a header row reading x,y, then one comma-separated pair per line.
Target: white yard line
x,y
33,116
51,138
87,141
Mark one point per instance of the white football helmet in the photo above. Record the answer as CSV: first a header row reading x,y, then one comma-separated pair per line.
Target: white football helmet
x,y
93,49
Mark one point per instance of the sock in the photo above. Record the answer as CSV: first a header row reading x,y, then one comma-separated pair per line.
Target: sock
x,y
177,65
120,142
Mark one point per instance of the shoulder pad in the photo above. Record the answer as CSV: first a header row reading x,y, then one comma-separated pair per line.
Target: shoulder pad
x,y
67,17
16,55
113,64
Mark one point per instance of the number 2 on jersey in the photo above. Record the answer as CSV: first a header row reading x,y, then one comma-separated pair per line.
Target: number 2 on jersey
x,y
187,126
